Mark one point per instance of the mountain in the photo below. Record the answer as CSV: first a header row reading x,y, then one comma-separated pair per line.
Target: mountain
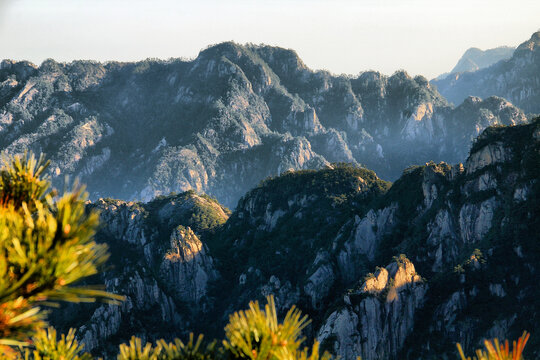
x,y
471,244
475,59
515,79
447,253
158,262
221,123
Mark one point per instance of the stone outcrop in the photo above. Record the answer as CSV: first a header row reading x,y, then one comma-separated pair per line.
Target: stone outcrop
x,y
159,265
319,284
186,268
488,155
377,318
363,240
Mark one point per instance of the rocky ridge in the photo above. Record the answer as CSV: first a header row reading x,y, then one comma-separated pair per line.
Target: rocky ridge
x,y
224,121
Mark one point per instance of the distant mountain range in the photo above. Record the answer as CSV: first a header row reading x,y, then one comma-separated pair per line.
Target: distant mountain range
x,y
228,119
516,79
475,59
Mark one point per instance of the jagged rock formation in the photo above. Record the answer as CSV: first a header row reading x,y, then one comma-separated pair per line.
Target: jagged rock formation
x,y
158,262
187,269
226,120
378,317
515,79
279,238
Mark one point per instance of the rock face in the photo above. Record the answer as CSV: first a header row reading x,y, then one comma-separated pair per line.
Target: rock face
x,y
460,208
363,240
282,232
225,121
143,296
515,79
319,284
158,262
187,264
377,318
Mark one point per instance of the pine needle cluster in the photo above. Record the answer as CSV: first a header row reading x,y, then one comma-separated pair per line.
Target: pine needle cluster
x,y
497,351
254,333
48,347
46,246
192,350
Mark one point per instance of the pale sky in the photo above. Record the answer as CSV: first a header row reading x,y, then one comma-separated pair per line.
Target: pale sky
x,y
343,36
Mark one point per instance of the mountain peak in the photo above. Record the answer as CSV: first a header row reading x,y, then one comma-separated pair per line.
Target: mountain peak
x,y
530,45
475,59
267,52
229,49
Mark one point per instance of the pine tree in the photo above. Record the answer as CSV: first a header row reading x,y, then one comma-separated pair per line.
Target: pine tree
x,y
46,246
